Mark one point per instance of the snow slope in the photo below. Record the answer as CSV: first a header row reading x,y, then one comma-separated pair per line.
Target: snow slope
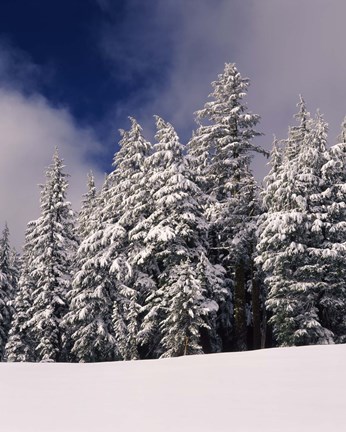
x,y
276,390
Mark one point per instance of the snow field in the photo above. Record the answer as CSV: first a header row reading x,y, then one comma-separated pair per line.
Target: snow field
x,y
273,390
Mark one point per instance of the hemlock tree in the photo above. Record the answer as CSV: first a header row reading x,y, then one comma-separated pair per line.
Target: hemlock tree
x,y
174,241
53,244
8,287
291,246
220,154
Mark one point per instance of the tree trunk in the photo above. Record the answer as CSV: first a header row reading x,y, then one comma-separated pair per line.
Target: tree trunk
x,y
256,313
240,308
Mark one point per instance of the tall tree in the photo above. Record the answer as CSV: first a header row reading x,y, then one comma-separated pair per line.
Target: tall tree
x,y
291,239
104,300
220,154
53,244
332,297
175,236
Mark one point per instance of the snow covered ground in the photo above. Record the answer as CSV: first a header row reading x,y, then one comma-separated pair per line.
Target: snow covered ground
x,y
276,390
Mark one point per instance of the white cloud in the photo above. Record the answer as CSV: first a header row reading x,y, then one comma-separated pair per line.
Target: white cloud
x,y
30,129
284,47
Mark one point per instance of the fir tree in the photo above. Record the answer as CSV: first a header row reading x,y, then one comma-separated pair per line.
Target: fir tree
x,y
20,346
220,154
291,238
104,301
53,244
174,240
185,309
8,287
332,260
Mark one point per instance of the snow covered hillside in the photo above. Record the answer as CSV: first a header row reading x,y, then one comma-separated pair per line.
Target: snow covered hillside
x,y
276,390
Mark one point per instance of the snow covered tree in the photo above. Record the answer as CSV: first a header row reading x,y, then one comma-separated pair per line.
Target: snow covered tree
x,y
332,297
104,301
174,240
8,287
291,244
184,309
20,346
220,153
53,245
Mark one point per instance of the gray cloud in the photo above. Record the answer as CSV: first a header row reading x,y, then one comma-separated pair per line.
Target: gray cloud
x,y
30,129
284,47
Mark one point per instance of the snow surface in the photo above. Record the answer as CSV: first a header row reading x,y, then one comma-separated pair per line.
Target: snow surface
x,y
276,390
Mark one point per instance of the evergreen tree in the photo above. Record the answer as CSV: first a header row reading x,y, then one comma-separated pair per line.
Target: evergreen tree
x,y
53,244
332,261
291,239
8,287
20,346
174,240
220,154
184,309
104,301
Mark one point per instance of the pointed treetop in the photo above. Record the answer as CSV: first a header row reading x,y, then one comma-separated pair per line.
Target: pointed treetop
x,y
160,123
134,124
163,128
276,154
91,180
167,141
297,134
342,136
56,156
5,248
303,115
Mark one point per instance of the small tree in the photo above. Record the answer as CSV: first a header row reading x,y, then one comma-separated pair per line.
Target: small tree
x,y
20,346
8,288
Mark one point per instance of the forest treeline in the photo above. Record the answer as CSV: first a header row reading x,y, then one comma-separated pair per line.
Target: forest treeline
x,y
181,251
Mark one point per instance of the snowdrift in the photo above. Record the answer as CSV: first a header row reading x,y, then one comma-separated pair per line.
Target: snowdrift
x,y
276,390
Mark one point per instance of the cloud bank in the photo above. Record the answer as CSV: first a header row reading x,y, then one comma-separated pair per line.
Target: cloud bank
x,y
284,47
30,128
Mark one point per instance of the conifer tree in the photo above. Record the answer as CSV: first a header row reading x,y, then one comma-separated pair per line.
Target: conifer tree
x,y
104,301
53,244
220,154
174,241
291,239
332,261
20,346
8,287
184,310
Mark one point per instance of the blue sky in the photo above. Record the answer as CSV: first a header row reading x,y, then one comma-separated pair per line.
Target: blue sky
x,y
72,71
